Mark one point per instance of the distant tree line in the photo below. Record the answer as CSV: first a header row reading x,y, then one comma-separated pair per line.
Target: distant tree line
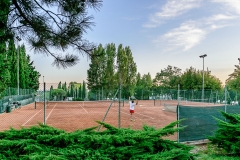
x,y
75,90
116,67
233,82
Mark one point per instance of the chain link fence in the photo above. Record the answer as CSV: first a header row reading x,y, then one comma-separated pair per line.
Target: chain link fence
x,y
71,107
11,99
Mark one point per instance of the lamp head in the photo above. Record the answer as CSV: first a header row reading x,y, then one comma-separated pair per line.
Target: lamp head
x,y
202,56
18,38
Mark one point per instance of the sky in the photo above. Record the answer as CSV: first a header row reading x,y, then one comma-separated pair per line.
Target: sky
x,y
160,33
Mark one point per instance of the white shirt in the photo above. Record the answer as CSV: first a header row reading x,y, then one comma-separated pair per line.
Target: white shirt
x,y
132,105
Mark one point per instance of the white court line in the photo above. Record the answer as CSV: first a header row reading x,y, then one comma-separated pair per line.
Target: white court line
x,y
51,111
30,118
83,108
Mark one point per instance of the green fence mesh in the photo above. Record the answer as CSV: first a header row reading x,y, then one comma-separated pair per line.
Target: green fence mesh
x,y
10,95
200,122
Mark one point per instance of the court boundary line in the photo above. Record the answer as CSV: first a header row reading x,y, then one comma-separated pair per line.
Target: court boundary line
x,y
83,108
30,118
51,111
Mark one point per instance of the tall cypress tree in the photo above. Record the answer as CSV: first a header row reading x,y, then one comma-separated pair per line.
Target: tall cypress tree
x,y
130,73
23,68
60,85
12,53
28,76
84,90
110,77
5,75
64,86
4,70
80,92
33,77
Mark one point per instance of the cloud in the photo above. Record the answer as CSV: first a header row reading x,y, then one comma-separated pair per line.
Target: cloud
x,y
219,21
186,36
219,17
230,5
171,9
191,33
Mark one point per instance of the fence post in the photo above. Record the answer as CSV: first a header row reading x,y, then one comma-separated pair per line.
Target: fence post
x,y
154,100
225,98
108,109
178,111
119,107
44,89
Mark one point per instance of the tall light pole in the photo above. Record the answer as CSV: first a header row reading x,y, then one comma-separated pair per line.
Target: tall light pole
x,y
18,39
202,56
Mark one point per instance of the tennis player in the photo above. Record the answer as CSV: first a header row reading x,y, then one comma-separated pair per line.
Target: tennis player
x,y
132,105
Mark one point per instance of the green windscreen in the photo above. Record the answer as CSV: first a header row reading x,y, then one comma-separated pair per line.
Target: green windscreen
x,y
200,121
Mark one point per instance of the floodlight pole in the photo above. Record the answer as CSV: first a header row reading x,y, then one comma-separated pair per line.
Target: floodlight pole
x,y
202,56
18,39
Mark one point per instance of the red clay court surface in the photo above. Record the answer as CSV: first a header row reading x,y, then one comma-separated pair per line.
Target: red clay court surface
x,y
71,116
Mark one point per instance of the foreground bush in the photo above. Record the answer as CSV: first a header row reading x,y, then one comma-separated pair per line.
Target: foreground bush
x,y
227,137
45,142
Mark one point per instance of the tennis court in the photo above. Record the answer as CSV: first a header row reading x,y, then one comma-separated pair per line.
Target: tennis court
x,y
71,116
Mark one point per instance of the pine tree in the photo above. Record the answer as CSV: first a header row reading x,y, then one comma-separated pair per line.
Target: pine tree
x,y
49,24
227,135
